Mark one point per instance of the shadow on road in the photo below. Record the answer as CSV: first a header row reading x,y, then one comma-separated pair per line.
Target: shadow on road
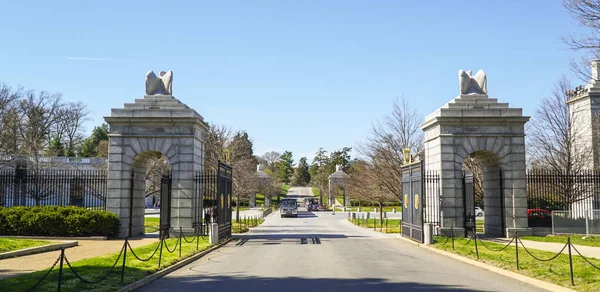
x,y
288,236
288,284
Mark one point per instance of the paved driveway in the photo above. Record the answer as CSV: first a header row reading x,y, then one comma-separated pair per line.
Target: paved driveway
x,y
319,251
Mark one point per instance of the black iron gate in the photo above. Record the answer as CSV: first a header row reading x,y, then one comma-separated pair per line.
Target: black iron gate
x,y
412,203
469,221
213,200
165,205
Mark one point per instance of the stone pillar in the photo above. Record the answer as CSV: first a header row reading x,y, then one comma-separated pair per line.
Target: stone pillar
x,y
252,200
152,127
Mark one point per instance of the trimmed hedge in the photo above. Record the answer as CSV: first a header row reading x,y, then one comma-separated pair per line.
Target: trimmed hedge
x,y
57,221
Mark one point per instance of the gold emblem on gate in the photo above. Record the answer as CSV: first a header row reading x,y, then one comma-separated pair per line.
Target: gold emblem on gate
x,y
405,201
222,201
416,201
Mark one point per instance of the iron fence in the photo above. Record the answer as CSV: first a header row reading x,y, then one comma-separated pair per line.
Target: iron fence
x,y
51,187
549,190
431,198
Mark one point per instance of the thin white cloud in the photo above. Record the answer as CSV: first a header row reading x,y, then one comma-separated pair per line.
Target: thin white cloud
x,y
100,59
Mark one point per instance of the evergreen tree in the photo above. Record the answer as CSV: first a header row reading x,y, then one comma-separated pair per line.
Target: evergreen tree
x,y
301,174
89,146
286,167
56,147
241,148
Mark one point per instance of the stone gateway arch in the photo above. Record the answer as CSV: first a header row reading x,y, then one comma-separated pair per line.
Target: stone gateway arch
x,y
154,126
476,126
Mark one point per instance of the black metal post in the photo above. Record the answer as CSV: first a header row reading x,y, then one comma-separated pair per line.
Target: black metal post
x,y
160,254
180,243
452,234
517,249
124,260
476,249
570,261
60,268
197,238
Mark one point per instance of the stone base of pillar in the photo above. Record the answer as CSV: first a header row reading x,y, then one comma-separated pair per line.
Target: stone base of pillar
x,y
185,231
458,231
511,232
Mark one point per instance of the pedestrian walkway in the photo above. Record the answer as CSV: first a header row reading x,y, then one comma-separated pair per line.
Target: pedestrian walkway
x,y
586,251
86,249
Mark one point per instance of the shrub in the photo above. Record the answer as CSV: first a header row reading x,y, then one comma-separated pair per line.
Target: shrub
x,y
57,221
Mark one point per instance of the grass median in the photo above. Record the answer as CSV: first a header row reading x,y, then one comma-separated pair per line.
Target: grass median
x,y
587,278
576,240
392,226
94,269
12,244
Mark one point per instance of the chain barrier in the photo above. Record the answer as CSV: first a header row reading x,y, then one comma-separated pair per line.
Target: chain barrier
x,y
584,258
167,246
491,249
103,277
45,275
445,242
543,260
122,254
138,258
467,243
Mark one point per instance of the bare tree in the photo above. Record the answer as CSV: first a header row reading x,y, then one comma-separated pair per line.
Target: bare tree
x,y
271,158
217,139
39,114
243,182
474,166
587,13
156,168
9,119
384,146
364,184
74,115
559,140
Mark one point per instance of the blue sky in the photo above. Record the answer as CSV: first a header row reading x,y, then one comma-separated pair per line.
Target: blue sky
x,y
296,75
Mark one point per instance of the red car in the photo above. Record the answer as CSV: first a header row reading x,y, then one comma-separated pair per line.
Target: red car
x,y
538,213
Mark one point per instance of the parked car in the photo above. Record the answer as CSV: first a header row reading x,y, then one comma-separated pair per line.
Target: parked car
x,y
478,212
539,213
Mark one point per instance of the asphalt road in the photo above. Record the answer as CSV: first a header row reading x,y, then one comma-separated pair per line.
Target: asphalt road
x,y
324,252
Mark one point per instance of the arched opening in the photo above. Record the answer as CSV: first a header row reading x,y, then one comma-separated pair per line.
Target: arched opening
x,y
150,189
483,194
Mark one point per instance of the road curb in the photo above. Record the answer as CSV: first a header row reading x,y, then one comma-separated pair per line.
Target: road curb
x,y
525,279
144,281
37,249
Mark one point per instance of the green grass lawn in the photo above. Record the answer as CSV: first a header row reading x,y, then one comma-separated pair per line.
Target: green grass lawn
x,y
12,244
586,277
393,225
576,240
94,268
151,224
315,191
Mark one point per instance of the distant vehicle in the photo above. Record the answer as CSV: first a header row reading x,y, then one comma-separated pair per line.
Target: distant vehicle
x,y
478,212
288,207
313,205
539,213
